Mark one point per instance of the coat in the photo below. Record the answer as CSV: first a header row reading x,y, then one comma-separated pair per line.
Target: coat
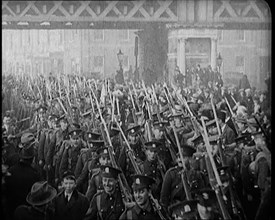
x,y
24,212
19,183
75,209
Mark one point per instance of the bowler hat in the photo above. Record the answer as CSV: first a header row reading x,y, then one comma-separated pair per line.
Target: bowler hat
x,y
41,194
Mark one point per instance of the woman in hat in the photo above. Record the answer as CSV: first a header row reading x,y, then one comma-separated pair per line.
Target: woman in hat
x,y
39,200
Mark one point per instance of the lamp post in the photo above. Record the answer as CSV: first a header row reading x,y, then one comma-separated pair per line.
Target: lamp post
x,y
219,62
120,59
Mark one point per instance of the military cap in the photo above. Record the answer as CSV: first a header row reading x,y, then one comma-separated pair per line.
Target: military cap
x,y
103,151
68,175
213,139
62,118
206,197
198,139
110,172
41,108
186,209
92,135
27,137
240,119
221,115
133,129
257,134
114,130
97,143
187,151
242,138
141,181
241,90
160,124
175,114
75,131
152,145
53,117
223,173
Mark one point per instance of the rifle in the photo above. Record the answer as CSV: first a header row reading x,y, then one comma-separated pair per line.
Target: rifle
x,y
133,110
215,182
183,173
262,129
123,185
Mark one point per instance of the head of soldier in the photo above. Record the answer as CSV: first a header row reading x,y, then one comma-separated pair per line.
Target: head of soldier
x,y
75,136
63,123
52,121
142,188
159,129
109,178
186,210
207,203
187,153
42,113
103,158
151,150
68,182
132,134
259,140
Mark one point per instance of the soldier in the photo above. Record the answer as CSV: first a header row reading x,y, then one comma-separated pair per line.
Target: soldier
x,y
107,204
153,167
94,172
71,150
143,208
186,210
91,164
173,188
207,205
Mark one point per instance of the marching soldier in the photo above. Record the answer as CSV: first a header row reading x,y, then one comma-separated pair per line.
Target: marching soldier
x,y
94,172
143,208
172,190
107,204
91,164
153,167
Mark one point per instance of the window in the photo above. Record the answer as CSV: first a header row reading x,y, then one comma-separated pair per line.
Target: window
x,y
124,35
240,63
240,35
98,62
98,35
220,35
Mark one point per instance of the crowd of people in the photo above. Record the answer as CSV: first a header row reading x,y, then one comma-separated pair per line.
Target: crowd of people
x,y
77,148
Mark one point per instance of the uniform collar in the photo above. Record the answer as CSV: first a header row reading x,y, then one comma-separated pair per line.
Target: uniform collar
x,y
138,209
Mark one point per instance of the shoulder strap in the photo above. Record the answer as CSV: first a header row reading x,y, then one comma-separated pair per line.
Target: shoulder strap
x,y
129,214
98,199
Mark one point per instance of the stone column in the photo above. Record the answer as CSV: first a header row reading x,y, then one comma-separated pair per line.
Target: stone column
x,y
213,53
181,55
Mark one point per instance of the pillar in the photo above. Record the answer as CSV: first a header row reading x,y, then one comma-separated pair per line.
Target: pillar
x,y
181,55
213,53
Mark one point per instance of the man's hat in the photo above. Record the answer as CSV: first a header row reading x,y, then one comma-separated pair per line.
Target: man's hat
x,y
103,151
41,194
187,151
160,124
62,118
27,152
223,173
186,209
110,172
68,175
133,129
75,130
206,197
142,181
114,130
91,135
97,143
213,139
27,137
41,108
152,145
198,139
243,138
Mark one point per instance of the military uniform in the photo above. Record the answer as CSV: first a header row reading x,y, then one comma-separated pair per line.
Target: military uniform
x,y
105,206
